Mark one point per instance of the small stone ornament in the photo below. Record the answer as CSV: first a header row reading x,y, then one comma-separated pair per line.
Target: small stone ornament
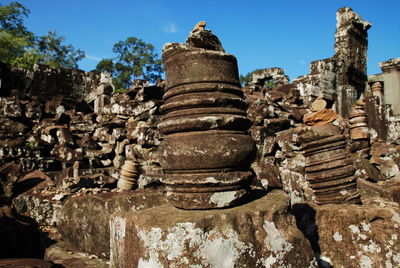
x,y
129,175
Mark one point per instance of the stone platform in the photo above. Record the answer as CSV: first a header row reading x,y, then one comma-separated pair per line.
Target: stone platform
x,y
261,233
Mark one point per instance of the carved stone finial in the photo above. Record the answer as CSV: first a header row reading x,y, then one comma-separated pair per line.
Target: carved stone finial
x,y
201,38
200,26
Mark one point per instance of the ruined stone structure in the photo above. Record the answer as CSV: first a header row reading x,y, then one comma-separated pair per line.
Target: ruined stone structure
x,y
81,178
275,76
383,103
206,152
128,178
386,85
342,78
329,168
359,131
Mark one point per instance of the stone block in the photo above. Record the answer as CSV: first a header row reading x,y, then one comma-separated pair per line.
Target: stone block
x,y
353,235
258,234
67,154
267,174
25,262
61,254
38,205
84,220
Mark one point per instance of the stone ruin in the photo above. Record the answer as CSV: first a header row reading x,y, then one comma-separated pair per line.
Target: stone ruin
x,y
197,172
206,152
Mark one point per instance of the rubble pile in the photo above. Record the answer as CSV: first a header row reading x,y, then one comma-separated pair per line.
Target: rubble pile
x,y
272,110
59,147
342,78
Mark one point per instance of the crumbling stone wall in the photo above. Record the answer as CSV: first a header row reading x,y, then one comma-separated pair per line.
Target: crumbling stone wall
x,y
342,78
384,100
43,81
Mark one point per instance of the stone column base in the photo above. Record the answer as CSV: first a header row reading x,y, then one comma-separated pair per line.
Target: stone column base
x,y
258,234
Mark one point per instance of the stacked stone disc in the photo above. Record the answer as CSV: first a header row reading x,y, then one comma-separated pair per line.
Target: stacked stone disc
x,y
329,168
359,129
206,152
128,176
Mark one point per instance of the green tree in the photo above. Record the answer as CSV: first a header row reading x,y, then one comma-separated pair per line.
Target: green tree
x,y
105,65
12,19
245,79
134,59
21,47
55,54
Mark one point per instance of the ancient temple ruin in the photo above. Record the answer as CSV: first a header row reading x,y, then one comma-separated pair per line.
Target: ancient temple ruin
x,y
195,171
340,79
206,152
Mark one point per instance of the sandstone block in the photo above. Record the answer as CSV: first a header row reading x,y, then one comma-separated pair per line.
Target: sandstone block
x,y
61,254
353,235
257,234
320,117
38,205
84,220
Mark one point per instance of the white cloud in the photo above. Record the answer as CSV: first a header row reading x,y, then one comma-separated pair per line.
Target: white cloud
x,y
90,57
170,28
303,62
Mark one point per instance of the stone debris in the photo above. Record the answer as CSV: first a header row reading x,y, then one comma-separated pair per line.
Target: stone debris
x,y
318,105
61,254
321,117
199,27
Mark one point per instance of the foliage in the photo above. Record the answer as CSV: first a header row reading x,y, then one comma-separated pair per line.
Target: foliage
x,y
245,79
12,19
22,48
55,54
120,90
134,59
269,84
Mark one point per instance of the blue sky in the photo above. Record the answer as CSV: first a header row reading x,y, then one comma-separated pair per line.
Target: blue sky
x,y
260,33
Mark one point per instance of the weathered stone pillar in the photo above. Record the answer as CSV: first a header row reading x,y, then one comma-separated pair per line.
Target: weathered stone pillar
x,y
206,152
351,43
377,91
128,177
329,168
359,133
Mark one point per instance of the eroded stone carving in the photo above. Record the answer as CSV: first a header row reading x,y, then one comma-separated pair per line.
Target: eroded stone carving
x,y
129,175
329,168
206,152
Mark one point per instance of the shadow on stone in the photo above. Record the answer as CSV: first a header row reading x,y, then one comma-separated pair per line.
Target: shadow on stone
x,y
19,236
305,221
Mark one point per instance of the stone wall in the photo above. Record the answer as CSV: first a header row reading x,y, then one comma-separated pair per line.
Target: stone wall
x,y
43,81
342,78
383,92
